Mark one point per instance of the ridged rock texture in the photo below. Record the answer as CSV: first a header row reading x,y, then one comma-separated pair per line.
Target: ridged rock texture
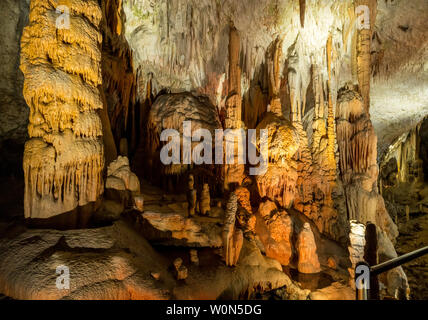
x,y
279,181
64,158
359,169
324,77
275,230
119,80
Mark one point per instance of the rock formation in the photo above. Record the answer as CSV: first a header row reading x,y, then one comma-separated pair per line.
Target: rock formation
x,y
307,251
275,230
359,170
64,158
234,168
191,196
119,82
366,9
357,243
120,176
139,203
205,200
194,257
245,216
180,271
232,237
173,229
279,181
334,83
170,111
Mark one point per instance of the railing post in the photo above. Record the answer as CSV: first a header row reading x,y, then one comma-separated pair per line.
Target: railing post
x,y
362,281
370,255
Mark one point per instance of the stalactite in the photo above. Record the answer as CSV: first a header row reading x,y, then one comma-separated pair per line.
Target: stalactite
x,y
234,100
363,48
273,62
407,154
331,134
279,182
234,173
64,158
302,7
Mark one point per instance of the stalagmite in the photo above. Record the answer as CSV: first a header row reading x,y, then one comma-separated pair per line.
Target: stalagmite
x,y
205,200
232,237
64,158
357,242
120,176
245,216
191,196
275,230
307,249
357,143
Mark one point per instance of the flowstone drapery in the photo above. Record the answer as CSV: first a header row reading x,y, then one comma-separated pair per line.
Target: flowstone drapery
x,y
64,158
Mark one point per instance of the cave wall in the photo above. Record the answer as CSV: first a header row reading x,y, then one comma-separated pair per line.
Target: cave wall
x,y
299,60
403,171
13,109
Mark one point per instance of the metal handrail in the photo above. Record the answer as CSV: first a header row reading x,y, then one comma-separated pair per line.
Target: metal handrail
x,y
363,293
396,262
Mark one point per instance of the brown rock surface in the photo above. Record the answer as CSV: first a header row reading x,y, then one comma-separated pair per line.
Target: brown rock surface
x,y
176,229
336,291
105,263
307,250
119,176
279,181
117,263
275,229
64,158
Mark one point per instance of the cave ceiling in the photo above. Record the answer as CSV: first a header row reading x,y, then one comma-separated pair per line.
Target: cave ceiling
x,y
183,45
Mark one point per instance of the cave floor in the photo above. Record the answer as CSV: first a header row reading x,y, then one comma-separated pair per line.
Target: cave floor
x,y
210,273
414,235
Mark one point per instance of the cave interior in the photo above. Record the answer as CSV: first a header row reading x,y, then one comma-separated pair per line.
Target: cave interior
x,y
112,165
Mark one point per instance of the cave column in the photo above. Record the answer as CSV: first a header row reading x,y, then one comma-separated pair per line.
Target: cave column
x,y
274,69
366,11
234,173
331,130
61,63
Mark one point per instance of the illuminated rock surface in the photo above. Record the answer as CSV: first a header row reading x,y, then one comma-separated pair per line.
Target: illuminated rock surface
x,y
336,91
64,158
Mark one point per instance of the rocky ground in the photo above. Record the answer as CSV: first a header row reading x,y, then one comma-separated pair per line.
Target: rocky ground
x,y
125,260
414,235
